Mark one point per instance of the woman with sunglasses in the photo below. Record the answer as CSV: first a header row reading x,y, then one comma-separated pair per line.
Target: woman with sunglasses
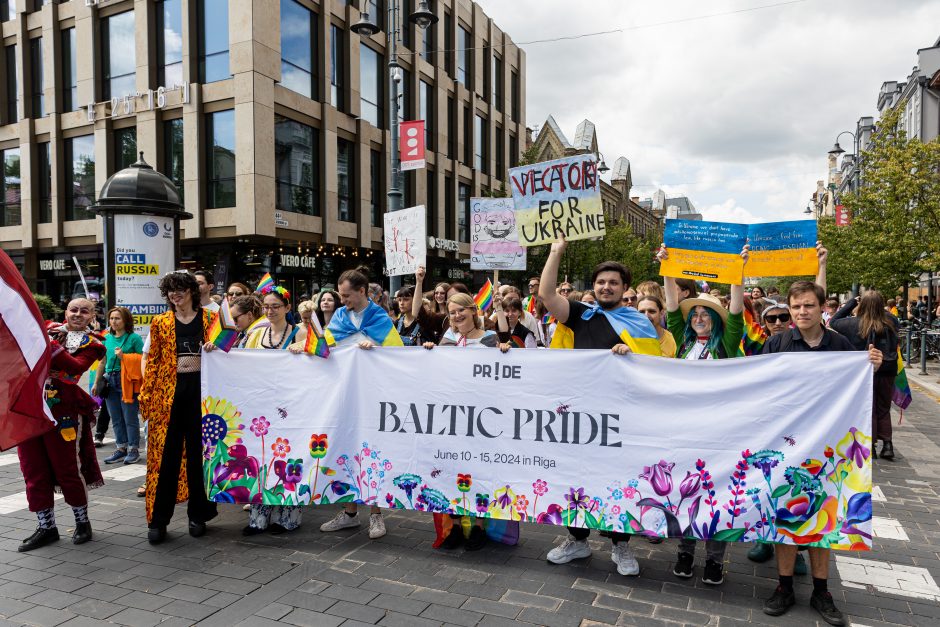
x,y
776,317
247,314
235,290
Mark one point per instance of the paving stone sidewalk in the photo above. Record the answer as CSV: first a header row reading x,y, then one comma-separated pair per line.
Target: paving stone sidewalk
x,y
311,578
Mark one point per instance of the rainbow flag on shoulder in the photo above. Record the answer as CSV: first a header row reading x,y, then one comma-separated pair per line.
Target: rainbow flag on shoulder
x,y
754,335
223,332
484,297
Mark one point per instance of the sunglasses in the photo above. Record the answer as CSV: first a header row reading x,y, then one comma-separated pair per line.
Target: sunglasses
x,y
772,319
565,290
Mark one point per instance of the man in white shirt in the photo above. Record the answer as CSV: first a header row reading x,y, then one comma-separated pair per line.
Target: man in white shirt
x,y
206,287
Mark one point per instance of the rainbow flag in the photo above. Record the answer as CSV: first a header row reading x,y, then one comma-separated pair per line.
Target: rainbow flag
x,y
548,319
484,297
266,281
223,332
901,395
316,343
754,335
518,342
530,305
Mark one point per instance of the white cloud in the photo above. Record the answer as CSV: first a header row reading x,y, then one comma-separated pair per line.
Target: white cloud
x,y
737,109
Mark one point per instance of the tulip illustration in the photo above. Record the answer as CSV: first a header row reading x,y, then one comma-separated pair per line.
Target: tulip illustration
x,y
659,477
318,447
690,484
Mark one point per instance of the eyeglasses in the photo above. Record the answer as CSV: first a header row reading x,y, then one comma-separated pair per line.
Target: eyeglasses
x,y
533,286
772,319
456,312
272,307
177,291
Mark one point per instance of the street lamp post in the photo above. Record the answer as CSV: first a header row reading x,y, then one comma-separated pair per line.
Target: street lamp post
x,y
856,175
423,18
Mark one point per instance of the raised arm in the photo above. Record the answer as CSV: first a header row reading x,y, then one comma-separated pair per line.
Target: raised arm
x,y
823,256
416,302
670,289
736,305
555,303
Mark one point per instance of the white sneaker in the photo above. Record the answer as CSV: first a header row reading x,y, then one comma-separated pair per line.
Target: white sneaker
x,y
625,560
376,526
340,521
568,550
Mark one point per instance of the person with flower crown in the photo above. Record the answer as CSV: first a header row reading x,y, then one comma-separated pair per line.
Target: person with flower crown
x,y
279,334
170,400
65,456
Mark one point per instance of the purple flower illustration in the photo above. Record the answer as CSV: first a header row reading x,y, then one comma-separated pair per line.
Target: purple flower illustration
x,y
259,426
577,499
690,485
659,477
483,503
551,516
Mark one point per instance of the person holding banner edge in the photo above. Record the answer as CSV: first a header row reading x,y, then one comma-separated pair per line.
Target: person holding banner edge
x,y
606,325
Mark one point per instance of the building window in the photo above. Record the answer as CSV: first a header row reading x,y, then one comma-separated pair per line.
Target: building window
x,y
376,9
481,157
344,176
337,67
448,208
170,43
298,48
448,44
44,180
117,36
500,155
497,72
487,72
213,41
125,147
69,76
173,152
467,136
220,136
513,151
296,163
370,89
464,45
407,28
463,218
36,83
7,10
430,203
10,208
375,187
79,177
12,103
426,112
451,128
408,193
514,95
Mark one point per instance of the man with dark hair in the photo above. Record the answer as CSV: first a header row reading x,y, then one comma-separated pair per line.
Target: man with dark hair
x,y
608,325
206,287
809,335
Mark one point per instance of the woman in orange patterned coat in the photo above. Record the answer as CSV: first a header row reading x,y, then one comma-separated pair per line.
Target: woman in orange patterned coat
x,y
170,400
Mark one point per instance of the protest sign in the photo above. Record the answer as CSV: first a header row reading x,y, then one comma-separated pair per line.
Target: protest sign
x,y
406,242
704,250
557,198
553,437
494,240
782,248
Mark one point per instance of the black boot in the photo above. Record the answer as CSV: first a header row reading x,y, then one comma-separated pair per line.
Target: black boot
x,y
156,535
41,537
887,451
82,533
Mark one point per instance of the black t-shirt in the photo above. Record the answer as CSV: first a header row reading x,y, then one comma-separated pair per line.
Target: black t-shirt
x,y
593,333
189,336
831,341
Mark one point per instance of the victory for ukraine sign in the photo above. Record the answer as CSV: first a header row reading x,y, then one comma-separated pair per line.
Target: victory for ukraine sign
x,y
557,198
553,437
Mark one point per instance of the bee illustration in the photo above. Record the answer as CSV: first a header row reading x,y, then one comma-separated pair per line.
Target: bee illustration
x,y
562,408
282,412
435,473
789,439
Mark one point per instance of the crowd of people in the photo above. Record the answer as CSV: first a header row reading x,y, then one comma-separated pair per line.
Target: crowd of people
x,y
159,379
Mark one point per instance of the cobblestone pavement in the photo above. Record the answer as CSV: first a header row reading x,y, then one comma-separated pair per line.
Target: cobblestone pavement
x,y
311,578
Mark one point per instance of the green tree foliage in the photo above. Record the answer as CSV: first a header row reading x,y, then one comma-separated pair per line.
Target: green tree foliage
x,y
895,230
47,308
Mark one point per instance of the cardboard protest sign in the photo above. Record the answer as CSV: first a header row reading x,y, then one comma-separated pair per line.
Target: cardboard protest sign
x,y
557,198
704,250
782,248
494,239
406,242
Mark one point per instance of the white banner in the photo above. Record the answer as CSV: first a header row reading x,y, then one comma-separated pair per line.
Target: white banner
x,y
770,447
144,249
406,241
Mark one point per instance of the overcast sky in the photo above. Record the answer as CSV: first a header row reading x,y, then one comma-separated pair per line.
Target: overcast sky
x,y
735,111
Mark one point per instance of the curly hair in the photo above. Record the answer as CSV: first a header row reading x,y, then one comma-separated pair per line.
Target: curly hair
x,y
180,280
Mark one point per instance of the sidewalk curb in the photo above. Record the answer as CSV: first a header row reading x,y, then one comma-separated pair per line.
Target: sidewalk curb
x,y
927,382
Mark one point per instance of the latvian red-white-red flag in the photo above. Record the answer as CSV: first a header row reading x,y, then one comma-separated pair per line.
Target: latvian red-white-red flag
x,y
24,361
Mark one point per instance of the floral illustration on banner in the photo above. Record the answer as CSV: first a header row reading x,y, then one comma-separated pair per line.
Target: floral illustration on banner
x,y
761,494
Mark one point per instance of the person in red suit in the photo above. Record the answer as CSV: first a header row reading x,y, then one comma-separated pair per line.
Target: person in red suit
x,y
65,456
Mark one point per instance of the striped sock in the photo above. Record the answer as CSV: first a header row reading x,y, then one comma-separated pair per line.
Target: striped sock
x,y
81,513
46,518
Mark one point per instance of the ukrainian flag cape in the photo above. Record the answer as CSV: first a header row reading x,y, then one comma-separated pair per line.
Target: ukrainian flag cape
x,y
630,325
376,325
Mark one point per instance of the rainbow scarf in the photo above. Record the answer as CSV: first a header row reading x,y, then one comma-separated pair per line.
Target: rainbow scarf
x,y
265,282
901,395
754,335
316,343
484,297
222,330
632,327
376,325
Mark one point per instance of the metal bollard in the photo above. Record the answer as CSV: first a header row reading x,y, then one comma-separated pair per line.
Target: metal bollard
x,y
923,352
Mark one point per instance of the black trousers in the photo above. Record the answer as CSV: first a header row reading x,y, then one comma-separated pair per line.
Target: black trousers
x,y
184,430
581,533
881,428
104,419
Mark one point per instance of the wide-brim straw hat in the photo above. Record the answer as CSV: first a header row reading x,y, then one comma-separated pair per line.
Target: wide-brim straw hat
x,y
704,300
